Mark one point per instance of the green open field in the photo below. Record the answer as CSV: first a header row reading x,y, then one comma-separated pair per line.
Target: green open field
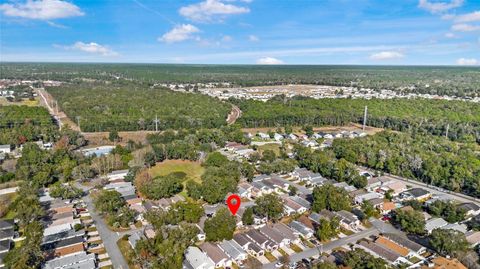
x,y
193,170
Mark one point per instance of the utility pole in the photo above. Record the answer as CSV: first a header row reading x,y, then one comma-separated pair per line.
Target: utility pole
x,y
448,127
156,123
78,122
365,118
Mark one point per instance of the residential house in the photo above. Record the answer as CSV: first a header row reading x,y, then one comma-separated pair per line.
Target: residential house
x,y
444,263
300,229
263,136
196,259
418,194
456,226
234,251
290,207
360,198
53,238
274,235
434,223
278,137
6,149
134,238
68,246
4,249
471,209
407,243
301,201
380,251
119,174
344,185
395,187
287,233
80,260
261,240
248,245
388,244
348,220
473,237
216,254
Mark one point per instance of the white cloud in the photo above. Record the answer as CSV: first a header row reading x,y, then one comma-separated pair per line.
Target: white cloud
x,y
470,61
253,38
41,9
469,17
450,35
179,33
210,11
439,7
91,47
386,55
269,61
463,27
227,38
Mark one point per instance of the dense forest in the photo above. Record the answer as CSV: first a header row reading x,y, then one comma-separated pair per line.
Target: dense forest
x,y
455,81
433,160
20,124
411,115
133,106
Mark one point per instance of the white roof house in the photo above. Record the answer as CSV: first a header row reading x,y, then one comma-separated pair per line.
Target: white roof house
x,y
5,149
196,259
80,260
435,223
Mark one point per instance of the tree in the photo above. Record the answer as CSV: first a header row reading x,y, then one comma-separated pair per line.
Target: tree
x,y
411,221
447,210
65,191
221,226
113,136
292,190
327,229
248,216
448,242
330,197
360,259
185,211
162,186
325,265
29,254
27,208
108,201
216,159
369,210
308,130
269,155
269,206
248,171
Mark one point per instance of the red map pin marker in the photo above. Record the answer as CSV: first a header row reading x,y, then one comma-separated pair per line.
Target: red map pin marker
x,y
233,203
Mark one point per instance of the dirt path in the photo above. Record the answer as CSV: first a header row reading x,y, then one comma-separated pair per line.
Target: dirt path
x,y
46,100
234,115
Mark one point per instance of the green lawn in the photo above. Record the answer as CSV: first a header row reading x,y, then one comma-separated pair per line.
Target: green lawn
x,y
193,170
127,252
295,248
272,146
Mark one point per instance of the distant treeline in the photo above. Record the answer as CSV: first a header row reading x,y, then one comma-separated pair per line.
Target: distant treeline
x,y
20,124
462,119
134,106
454,81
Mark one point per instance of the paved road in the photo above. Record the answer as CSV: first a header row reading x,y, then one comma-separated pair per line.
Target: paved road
x,y
385,227
109,237
309,252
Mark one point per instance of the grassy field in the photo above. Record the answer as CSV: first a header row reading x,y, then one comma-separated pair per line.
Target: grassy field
x,y
24,102
272,146
193,170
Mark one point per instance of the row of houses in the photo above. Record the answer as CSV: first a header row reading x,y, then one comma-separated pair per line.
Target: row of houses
x,y
254,242
65,242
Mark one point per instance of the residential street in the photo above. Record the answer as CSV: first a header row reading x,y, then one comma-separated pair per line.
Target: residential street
x,y
109,237
309,252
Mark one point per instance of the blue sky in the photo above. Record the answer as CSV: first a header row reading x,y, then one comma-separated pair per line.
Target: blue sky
x,y
405,32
